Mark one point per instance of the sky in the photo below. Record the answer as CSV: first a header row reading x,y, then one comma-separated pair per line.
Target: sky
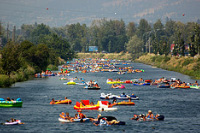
x,y
57,13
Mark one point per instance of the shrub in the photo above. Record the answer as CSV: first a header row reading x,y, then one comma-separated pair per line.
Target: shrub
x,y
5,81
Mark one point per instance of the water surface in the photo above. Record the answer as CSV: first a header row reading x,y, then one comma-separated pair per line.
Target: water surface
x,y
179,106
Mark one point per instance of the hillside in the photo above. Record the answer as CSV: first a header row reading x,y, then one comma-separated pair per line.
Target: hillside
x,y
62,12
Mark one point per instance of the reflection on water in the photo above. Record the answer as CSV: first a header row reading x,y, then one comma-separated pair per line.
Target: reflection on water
x,y
179,106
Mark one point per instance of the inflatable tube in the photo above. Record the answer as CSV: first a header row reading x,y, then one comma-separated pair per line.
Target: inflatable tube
x,y
128,82
183,87
120,123
125,103
107,109
66,101
63,120
11,123
164,86
141,84
11,103
71,83
161,117
109,118
92,88
74,120
195,87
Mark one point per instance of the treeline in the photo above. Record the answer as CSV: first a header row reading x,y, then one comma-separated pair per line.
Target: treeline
x,y
20,59
115,36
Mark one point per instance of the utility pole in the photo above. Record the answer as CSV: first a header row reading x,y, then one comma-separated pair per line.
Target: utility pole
x,y
13,34
149,44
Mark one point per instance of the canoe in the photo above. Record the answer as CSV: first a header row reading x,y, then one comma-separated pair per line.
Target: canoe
x,y
11,103
66,101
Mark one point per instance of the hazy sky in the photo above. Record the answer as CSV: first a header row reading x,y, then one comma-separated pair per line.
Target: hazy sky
x,y
62,12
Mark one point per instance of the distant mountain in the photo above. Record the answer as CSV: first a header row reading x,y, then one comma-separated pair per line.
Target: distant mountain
x,y
63,12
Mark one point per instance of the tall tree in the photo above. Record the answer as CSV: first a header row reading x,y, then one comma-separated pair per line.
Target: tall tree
x,y
10,61
130,29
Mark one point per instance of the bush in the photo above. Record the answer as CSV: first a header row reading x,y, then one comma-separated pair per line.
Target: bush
x,y
5,81
52,67
186,62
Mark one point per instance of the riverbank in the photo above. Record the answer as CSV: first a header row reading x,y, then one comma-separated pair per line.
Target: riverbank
x,y
20,75
117,56
185,65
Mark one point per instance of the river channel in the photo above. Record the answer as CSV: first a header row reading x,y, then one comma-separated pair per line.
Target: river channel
x,y
180,107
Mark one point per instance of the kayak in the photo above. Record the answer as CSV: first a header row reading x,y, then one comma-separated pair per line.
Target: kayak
x,y
74,120
17,103
66,101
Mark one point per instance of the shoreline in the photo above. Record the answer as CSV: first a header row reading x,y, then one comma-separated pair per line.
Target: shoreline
x,y
185,65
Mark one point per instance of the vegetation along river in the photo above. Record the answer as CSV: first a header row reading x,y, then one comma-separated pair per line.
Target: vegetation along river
x,y
179,106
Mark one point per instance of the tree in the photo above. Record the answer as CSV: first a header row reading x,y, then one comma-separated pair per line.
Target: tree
x,y
41,56
197,38
130,29
134,45
143,31
143,28
10,61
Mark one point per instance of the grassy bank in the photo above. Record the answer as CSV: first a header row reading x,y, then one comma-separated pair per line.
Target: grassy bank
x,y
185,65
118,56
19,76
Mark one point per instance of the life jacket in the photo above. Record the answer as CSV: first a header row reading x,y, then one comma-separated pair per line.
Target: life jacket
x,y
150,116
81,115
